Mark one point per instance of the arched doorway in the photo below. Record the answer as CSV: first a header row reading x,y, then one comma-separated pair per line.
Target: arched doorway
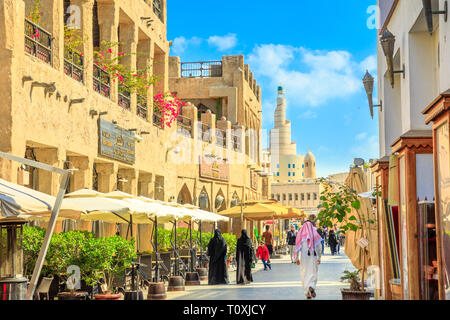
x,y
220,202
184,197
203,200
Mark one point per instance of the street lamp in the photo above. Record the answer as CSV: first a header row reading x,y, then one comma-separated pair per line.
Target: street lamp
x,y
368,86
429,13
387,41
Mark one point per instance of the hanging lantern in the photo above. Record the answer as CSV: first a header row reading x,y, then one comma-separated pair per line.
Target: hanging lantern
x,y
13,285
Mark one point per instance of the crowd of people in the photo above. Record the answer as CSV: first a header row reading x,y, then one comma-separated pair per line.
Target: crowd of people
x,y
306,247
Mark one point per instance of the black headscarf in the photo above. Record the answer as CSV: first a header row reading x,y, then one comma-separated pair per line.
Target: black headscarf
x,y
217,252
217,246
244,250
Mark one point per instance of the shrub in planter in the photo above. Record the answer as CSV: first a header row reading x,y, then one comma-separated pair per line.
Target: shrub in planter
x,y
107,258
33,237
354,293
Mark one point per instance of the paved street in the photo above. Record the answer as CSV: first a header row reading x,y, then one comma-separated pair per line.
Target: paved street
x,y
282,283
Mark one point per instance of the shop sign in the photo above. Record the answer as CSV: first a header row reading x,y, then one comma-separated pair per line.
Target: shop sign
x,y
363,242
116,143
214,169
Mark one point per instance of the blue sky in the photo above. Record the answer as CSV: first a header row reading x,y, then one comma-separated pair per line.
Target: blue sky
x,y
319,50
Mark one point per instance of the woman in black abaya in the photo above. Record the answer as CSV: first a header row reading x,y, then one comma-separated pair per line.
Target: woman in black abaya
x,y
217,252
244,256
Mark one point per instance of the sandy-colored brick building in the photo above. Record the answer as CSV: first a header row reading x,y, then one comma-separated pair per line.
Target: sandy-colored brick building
x,y
56,110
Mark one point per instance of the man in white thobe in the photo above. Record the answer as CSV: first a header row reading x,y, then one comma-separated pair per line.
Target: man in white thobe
x,y
308,251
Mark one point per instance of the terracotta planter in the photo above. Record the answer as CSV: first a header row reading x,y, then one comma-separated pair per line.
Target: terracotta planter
x,y
107,296
348,294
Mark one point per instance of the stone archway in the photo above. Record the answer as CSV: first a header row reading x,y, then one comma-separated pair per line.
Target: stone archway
x,y
203,200
220,202
184,196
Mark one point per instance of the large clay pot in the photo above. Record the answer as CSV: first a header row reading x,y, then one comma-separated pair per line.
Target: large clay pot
x,y
192,279
348,294
107,296
156,291
176,283
203,273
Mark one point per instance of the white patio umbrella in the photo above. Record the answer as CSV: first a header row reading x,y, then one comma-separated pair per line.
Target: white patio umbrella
x,y
23,202
100,208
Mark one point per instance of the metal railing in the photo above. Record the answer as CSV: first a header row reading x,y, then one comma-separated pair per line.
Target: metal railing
x,y
141,107
205,135
157,8
157,120
73,65
102,82
185,124
221,138
38,42
124,97
236,143
203,69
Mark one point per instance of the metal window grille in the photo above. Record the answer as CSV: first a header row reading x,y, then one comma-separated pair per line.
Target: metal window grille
x,y
205,69
141,107
73,65
157,119
38,42
102,82
124,100
236,143
157,8
221,138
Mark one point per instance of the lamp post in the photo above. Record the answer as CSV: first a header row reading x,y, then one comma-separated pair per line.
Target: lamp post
x,y
368,82
387,41
13,285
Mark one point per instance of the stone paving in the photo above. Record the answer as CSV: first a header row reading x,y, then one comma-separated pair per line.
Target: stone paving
x,y
281,283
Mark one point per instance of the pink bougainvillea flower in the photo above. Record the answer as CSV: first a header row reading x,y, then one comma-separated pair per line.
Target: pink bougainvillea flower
x,y
110,50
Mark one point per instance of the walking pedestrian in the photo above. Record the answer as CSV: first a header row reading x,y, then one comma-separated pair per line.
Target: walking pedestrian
x,y
338,240
268,239
217,252
291,236
244,257
321,232
332,241
307,255
263,254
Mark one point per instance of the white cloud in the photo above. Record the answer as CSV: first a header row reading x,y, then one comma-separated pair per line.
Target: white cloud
x,y
369,63
308,115
180,44
310,77
361,136
223,43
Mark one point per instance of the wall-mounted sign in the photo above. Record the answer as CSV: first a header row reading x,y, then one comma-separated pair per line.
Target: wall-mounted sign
x,y
116,143
213,169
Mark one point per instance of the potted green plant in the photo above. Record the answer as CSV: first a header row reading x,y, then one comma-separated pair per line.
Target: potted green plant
x,y
354,292
66,250
107,258
340,205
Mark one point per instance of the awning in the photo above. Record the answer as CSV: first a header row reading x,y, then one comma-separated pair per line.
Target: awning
x,y
23,202
368,194
257,212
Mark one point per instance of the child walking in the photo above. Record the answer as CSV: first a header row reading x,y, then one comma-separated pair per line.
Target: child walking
x,y
263,254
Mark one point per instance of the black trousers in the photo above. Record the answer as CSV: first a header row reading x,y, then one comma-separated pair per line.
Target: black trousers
x,y
270,247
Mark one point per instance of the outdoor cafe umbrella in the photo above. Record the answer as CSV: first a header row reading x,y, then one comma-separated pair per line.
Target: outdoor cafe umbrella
x,y
23,202
256,211
355,181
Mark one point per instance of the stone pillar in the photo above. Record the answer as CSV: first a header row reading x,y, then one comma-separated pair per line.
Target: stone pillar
x,y
106,176
128,43
86,33
131,185
83,177
53,21
108,20
190,112
48,182
174,67
145,187
209,119
144,62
